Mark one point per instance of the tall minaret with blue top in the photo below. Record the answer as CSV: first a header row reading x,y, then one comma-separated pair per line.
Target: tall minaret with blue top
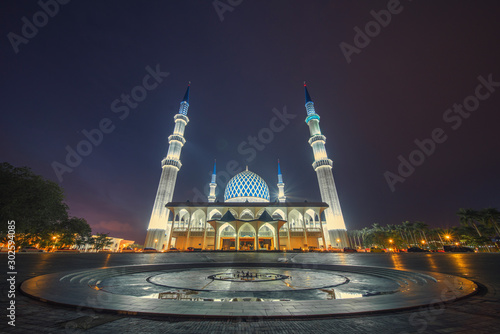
x,y
337,234
213,185
281,185
170,165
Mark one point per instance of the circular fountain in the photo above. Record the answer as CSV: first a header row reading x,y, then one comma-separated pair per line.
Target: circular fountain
x,y
247,289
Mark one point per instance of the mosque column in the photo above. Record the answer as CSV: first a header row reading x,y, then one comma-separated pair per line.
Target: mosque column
x,y
188,233
171,231
288,235
216,237
237,243
277,232
204,235
305,232
256,242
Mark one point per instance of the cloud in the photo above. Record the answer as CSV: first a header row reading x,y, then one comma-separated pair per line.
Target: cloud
x,y
111,226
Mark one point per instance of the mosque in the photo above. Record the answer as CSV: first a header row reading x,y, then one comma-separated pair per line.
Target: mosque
x,y
247,219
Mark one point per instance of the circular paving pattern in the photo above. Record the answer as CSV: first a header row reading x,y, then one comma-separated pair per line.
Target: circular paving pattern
x,y
247,276
247,290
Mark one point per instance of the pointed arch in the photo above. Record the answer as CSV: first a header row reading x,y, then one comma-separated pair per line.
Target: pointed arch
x,y
267,227
279,214
226,228
295,219
248,228
247,214
198,219
214,214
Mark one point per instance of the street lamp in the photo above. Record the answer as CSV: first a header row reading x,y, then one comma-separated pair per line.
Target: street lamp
x,y
156,240
338,241
54,244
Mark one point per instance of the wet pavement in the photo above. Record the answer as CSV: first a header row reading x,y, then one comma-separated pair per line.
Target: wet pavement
x,y
476,314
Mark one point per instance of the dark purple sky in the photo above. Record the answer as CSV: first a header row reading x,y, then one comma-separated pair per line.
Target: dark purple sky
x,y
396,89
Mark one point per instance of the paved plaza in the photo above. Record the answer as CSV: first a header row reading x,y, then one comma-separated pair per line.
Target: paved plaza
x,y
479,313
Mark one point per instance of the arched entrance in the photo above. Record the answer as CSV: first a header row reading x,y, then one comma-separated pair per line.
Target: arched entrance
x,y
227,237
246,238
267,237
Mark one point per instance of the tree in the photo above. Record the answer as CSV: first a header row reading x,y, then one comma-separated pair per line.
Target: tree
x,y
489,217
73,231
408,228
102,241
37,207
469,217
421,227
34,203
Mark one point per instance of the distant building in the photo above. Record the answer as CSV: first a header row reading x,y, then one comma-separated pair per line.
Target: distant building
x,y
116,246
247,219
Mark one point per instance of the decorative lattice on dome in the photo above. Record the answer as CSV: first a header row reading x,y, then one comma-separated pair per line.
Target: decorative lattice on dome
x,y
246,184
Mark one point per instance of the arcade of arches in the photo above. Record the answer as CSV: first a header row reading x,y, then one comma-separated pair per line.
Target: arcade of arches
x,y
244,226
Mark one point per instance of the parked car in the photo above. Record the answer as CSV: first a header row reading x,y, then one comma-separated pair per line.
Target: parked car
x,y
376,250
128,250
31,249
458,249
67,250
349,250
190,249
149,250
417,250
173,249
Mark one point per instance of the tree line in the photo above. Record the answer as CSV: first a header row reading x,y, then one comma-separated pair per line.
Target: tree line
x,y
40,214
477,228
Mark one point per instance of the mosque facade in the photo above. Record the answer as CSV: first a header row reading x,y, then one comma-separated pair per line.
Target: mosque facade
x,y
246,219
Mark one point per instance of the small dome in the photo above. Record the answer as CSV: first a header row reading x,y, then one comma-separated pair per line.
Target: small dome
x,y
246,186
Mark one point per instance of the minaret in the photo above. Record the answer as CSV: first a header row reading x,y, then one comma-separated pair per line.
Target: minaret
x,y
336,235
281,185
170,165
213,185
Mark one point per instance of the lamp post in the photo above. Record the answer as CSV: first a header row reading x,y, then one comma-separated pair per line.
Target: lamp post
x,y
55,240
390,241
156,241
338,241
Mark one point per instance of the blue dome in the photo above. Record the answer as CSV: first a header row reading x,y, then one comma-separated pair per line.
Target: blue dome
x,y
246,186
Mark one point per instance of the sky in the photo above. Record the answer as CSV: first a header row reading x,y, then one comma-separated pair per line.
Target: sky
x,y
408,94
